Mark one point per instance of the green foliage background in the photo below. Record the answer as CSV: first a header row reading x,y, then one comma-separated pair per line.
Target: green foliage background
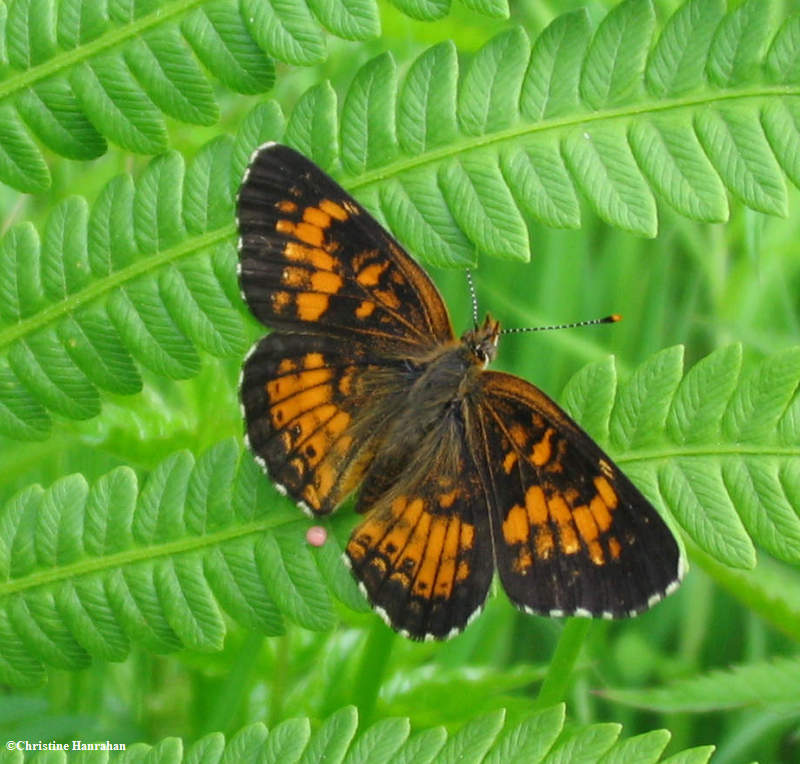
x,y
632,157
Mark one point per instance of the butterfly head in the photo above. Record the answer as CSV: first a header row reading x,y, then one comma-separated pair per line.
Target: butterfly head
x,y
482,341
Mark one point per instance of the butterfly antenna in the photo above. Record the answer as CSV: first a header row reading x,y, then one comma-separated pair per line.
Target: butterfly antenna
x,y
473,297
612,319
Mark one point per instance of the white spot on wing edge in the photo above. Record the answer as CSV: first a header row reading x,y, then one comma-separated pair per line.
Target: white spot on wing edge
x,y
654,599
263,147
306,509
556,613
582,612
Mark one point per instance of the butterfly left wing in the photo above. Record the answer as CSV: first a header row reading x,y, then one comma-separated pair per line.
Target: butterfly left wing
x,y
423,553
313,260
572,535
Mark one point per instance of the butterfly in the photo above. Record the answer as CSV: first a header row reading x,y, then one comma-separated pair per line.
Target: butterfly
x,y
363,387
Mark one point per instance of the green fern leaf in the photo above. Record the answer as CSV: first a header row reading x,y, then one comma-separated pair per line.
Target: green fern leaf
x,y
379,741
717,449
219,38
421,748
473,740
331,740
164,66
165,284
285,29
614,64
368,136
585,744
772,683
423,10
388,740
85,571
677,62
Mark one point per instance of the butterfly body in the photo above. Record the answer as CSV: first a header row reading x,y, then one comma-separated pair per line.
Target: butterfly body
x,y
459,471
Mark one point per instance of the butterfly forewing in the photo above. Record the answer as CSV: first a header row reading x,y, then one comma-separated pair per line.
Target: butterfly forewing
x,y
572,535
312,259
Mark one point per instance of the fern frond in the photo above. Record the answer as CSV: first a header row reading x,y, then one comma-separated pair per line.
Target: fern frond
x,y
75,75
86,570
147,275
459,163
717,448
770,683
539,737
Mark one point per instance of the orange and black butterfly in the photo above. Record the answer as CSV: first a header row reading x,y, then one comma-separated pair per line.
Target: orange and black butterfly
x,y
363,386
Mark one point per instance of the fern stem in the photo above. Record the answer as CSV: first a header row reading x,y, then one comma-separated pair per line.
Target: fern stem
x,y
371,670
559,674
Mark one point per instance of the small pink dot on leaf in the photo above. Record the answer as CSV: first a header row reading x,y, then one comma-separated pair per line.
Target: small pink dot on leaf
x,y
316,535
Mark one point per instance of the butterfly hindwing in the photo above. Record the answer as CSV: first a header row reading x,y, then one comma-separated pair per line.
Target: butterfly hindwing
x,y
313,259
572,535
423,553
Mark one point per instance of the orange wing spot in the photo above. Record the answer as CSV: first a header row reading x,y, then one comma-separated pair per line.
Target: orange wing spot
x,y
596,553
447,566
311,305
467,535
509,462
516,527
518,434
313,361
614,547
388,298
426,578
294,277
309,421
309,234
333,209
292,407
297,384
280,301
446,499
319,258
365,309
606,491
544,543
286,206
325,281
325,479
536,505
316,217
543,450
585,523
523,561
600,513
463,570
370,275
569,539
559,510
311,497
346,384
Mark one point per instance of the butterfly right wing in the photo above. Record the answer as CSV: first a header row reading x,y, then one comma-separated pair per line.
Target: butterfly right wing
x,y
572,534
